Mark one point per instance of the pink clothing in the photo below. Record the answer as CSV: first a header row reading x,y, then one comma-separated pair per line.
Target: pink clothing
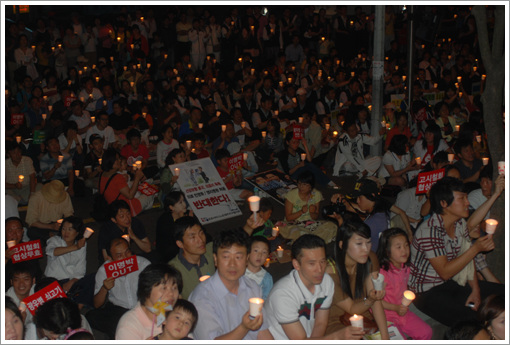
x,y
135,325
410,324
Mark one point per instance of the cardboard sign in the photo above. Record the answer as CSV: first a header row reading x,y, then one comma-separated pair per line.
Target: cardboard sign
x,y
69,100
427,179
17,119
122,267
299,132
39,136
147,189
27,251
273,182
54,290
235,163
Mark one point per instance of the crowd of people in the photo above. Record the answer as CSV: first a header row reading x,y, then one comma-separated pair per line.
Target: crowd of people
x,y
97,106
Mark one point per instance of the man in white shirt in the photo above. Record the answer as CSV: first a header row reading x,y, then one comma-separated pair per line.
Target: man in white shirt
x,y
103,130
120,292
298,305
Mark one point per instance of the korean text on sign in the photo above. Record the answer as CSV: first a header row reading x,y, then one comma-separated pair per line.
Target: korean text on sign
x,y
122,267
54,290
27,251
427,179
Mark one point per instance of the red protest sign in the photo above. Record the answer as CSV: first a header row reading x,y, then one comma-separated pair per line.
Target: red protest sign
x,y
54,290
17,119
147,189
235,163
27,251
122,267
427,179
69,100
299,132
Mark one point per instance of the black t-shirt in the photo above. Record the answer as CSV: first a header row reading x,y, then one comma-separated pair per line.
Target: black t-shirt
x,y
110,231
165,242
121,122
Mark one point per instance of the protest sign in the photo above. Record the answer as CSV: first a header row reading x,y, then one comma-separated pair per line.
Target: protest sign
x,y
427,179
39,136
27,251
121,268
397,100
235,164
68,100
54,290
274,183
147,189
299,132
17,119
205,191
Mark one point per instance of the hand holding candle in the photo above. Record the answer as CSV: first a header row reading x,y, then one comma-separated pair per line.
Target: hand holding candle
x,y
279,252
303,156
254,205
275,231
177,171
60,158
378,282
21,178
418,160
204,278
490,226
408,298
255,306
485,160
450,157
88,232
356,321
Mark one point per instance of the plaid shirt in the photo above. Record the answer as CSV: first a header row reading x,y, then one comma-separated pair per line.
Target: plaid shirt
x,y
25,168
431,241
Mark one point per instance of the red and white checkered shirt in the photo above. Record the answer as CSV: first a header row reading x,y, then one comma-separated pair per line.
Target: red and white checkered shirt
x,y
430,241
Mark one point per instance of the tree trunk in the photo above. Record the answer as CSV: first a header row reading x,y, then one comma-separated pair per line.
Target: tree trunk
x,y
492,98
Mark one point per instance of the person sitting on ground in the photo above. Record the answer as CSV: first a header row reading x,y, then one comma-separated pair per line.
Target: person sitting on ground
x,y
393,255
45,208
56,317
349,155
17,165
231,180
14,328
430,144
258,253
91,164
222,300
442,272
492,316
122,223
159,286
468,165
22,279
135,151
114,296
467,330
166,145
298,306
179,322
195,256
396,162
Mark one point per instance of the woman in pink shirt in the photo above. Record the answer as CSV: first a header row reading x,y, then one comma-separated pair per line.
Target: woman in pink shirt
x,y
393,254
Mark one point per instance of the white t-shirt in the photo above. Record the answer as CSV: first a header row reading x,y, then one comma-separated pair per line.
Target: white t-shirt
x,y
107,134
62,140
419,151
392,159
82,121
67,266
163,149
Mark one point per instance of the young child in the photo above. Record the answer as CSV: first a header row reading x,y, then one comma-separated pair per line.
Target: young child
x,y
257,255
166,145
199,140
222,156
179,322
393,254
266,228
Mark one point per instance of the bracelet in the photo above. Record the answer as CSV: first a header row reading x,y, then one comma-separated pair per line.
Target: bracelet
x,y
365,302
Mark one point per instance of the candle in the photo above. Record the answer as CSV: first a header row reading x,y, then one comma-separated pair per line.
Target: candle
x,y
479,138
252,71
501,167
263,134
327,125
352,74
177,171
11,244
91,96
435,85
404,78
144,115
77,173
408,298
255,306
418,160
18,139
21,178
276,113
254,205
60,221
279,252
300,119
148,65
214,80
245,156
294,99
138,164
280,83
267,263
289,80
50,108
104,103
388,125
188,144
218,113
82,99
370,108
100,160
485,160
303,156
275,231
356,321
475,68
223,128
459,79
204,278
126,237
450,157
60,158
484,76
378,282
149,97
22,307
383,123
88,232
243,124
490,226
457,128
93,119
335,133
200,125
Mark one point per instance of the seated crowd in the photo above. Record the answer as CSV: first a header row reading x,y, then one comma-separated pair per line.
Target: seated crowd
x,y
98,108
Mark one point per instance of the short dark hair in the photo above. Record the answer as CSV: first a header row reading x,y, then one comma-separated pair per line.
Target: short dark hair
x,y
306,177
307,241
117,205
169,160
254,239
156,274
265,205
443,190
491,307
11,145
77,224
199,137
187,307
463,330
460,144
221,153
70,125
58,315
182,224
486,172
108,159
228,238
132,133
22,267
43,282
172,198
12,219
398,144
114,242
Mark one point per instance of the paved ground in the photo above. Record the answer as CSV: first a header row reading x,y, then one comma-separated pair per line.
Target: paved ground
x,y
82,207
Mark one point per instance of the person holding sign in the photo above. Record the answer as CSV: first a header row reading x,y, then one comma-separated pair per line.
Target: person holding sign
x,y
442,272
114,296
231,181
